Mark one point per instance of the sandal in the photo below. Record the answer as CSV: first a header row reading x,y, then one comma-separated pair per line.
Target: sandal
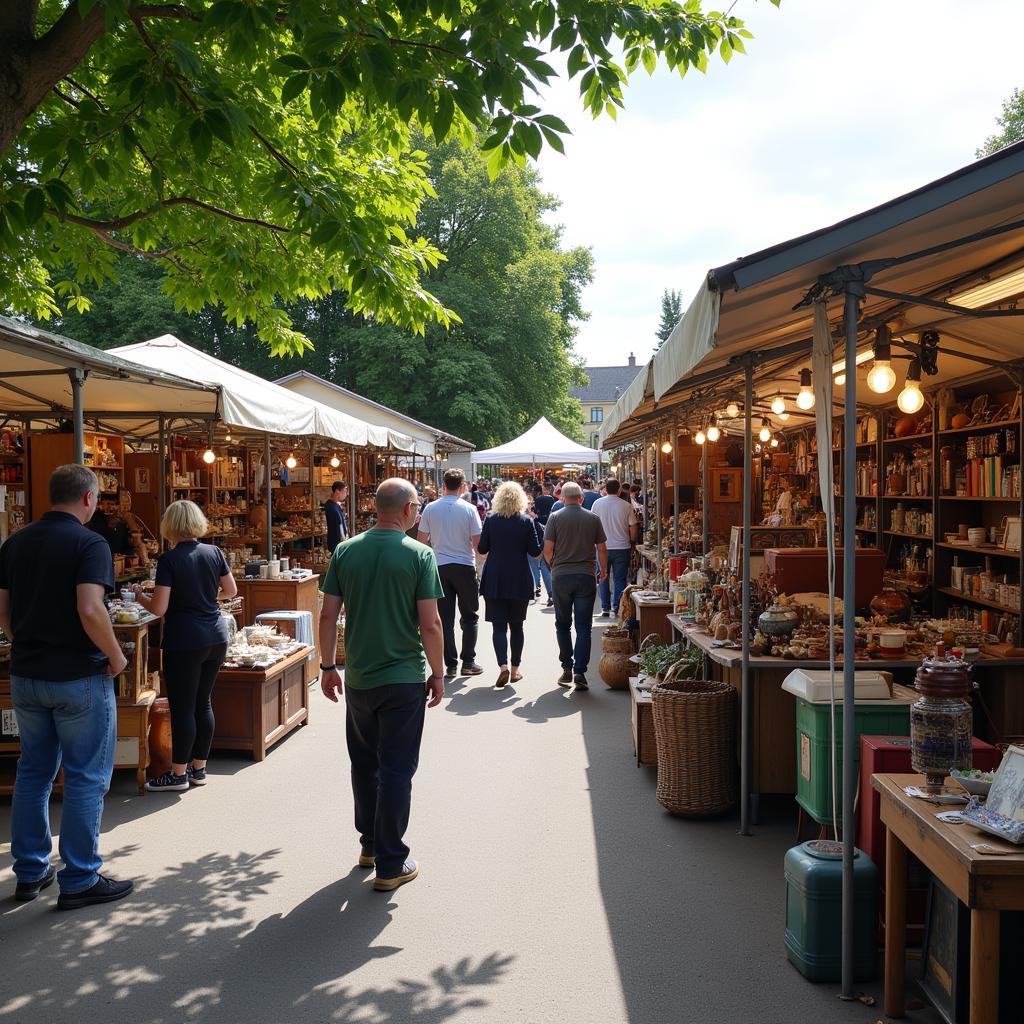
x,y
516,676
502,678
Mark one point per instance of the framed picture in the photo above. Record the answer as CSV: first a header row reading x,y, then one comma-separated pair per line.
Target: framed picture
x,y
1006,797
1011,534
726,484
142,480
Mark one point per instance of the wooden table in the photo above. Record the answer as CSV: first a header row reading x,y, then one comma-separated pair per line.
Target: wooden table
x,y
256,707
985,884
641,713
131,748
652,614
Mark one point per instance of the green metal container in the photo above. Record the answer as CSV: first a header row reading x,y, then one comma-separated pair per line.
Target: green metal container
x,y
814,911
813,748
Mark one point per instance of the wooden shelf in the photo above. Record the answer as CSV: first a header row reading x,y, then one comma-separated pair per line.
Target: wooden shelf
x,y
964,497
907,497
999,425
913,536
978,600
865,529
905,440
982,550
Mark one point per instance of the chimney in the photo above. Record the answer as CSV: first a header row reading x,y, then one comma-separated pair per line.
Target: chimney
x,y
632,360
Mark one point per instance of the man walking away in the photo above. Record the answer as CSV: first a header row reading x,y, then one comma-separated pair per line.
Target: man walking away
x,y
54,575
570,539
334,513
620,527
388,585
590,496
452,528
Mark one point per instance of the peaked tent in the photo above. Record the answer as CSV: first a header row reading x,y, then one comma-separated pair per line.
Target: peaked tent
x,y
248,402
541,443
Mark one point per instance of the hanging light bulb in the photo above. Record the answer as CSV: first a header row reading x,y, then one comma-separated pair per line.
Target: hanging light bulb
x,y
666,448
783,416
700,437
839,380
291,462
757,448
209,456
765,433
775,440
335,462
778,404
227,437
713,432
910,399
805,399
732,409
881,376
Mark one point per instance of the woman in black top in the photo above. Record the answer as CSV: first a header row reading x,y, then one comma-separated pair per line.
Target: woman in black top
x,y
188,579
509,539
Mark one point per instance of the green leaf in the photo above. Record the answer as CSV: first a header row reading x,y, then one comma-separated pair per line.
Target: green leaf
x,y
292,87
186,59
289,63
442,119
577,60
650,59
201,139
34,206
220,126
551,121
554,140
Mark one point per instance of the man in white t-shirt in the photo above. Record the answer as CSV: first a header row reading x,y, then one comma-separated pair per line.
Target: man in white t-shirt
x,y
620,527
451,527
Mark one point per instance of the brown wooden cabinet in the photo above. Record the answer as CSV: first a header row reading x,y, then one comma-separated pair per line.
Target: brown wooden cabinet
x,y
255,708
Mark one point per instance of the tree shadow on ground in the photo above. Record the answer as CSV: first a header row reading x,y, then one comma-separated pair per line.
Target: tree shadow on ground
x,y
215,964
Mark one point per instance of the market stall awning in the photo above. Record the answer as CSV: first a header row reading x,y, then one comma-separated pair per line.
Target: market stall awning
x,y
405,433
541,443
248,402
758,297
34,382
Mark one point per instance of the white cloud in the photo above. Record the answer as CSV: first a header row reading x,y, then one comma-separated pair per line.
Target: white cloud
x,y
836,107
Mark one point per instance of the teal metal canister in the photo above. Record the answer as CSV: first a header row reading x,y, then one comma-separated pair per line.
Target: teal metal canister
x,y
814,911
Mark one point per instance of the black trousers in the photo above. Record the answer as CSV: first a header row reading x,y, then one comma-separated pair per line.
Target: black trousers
x,y
461,588
383,727
189,677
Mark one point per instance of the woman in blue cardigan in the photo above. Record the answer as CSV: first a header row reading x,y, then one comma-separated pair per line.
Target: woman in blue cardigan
x,y
509,539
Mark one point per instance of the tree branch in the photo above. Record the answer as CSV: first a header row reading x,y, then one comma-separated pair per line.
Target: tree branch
x,y
120,223
18,20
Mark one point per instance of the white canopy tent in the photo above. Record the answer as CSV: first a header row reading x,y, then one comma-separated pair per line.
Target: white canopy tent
x,y
540,444
248,402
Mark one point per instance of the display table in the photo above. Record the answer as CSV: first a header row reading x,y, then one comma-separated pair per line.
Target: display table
x,y
652,614
260,596
984,883
131,749
256,707
641,711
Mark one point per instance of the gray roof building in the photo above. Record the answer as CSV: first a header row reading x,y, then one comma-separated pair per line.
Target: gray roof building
x,y
606,383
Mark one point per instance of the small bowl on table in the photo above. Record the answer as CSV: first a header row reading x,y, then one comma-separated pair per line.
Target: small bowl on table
x,y
975,782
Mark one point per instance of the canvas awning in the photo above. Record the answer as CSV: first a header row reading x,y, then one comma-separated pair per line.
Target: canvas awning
x,y
748,305
124,395
248,402
542,443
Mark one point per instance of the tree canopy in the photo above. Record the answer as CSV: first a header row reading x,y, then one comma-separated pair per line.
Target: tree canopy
x,y
261,148
507,359
1011,124
671,311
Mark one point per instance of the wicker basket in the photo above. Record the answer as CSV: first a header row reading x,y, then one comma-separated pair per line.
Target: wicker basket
x,y
695,729
339,658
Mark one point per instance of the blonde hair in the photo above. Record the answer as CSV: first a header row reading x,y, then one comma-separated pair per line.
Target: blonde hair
x,y
183,520
510,500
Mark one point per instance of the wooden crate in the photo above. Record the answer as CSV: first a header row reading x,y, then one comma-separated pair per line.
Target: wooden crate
x,y
134,680
641,712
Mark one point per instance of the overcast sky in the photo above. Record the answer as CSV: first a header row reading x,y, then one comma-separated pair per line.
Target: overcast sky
x,y
837,106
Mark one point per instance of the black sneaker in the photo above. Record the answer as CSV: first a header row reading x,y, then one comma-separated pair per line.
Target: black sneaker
x,y
565,679
606,613
536,592
580,681
106,890
471,668
168,783
195,776
449,673
551,602
25,891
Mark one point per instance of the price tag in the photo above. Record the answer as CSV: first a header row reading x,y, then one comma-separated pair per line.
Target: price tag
x,y
9,722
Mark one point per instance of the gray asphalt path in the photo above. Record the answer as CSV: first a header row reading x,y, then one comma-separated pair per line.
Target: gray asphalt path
x,y
553,888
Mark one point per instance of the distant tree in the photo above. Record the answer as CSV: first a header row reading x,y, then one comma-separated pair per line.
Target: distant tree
x,y
671,311
1011,121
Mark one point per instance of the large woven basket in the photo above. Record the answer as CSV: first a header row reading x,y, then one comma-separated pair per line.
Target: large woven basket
x,y
695,730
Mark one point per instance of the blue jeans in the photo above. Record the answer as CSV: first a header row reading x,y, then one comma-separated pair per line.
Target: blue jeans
x,y
74,721
574,602
618,567
541,571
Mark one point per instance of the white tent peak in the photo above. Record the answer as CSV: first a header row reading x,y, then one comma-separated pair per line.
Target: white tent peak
x,y
543,442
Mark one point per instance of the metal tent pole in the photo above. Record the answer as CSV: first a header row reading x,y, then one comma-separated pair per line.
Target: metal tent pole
x,y
852,309
675,487
352,492
746,693
657,501
269,496
78,414
312,499
705,504
643,491
162,470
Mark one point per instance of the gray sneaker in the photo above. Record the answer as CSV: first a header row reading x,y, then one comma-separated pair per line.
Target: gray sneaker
x,y
579,681
565,679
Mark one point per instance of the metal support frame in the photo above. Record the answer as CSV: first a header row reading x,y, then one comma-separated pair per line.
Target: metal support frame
x,y
353,491
657,500
312,496
705,501
675,487
853,294
162,464
643,490
269,494
78,413
746,693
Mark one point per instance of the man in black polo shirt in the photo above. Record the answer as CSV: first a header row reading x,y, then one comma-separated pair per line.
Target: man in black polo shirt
x,y
54,575
334,513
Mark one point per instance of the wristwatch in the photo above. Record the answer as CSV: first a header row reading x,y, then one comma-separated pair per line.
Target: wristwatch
x,y
327,668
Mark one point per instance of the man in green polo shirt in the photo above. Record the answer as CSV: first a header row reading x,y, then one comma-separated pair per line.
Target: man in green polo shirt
x,y
388,585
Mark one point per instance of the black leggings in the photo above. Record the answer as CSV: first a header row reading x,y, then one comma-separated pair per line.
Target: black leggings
x,y
515,634
188,678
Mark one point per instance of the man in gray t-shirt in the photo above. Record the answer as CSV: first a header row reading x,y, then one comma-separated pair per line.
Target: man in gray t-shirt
x,y
571,536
